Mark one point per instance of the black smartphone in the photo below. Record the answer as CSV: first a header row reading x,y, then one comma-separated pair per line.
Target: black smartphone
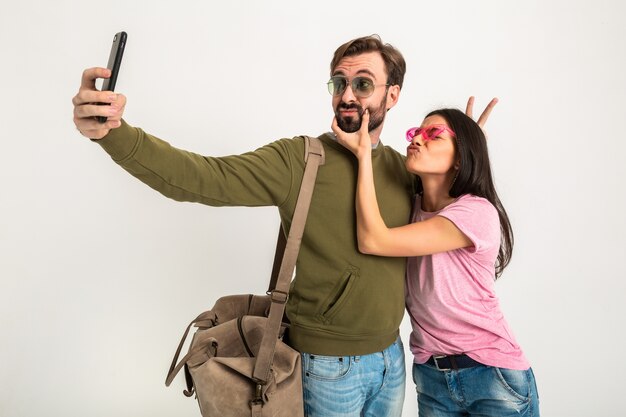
x,y
115,60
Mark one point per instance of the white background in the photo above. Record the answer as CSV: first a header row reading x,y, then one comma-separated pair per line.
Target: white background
x,y
99,274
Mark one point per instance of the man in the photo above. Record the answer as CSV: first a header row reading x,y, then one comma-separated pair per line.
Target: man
x,y
345,307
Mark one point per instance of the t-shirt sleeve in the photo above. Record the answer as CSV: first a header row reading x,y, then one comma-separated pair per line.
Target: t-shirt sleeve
x,y
478,219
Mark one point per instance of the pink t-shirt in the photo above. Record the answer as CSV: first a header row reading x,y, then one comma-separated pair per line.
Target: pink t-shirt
x,y
450,296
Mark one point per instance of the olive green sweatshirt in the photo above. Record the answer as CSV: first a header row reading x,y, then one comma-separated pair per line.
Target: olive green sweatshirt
x,y
342,302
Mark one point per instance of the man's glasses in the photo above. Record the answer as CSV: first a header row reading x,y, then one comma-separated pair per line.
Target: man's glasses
x,y
362,87
428,132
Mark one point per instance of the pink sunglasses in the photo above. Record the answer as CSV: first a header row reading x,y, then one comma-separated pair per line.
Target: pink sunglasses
x,y
428,132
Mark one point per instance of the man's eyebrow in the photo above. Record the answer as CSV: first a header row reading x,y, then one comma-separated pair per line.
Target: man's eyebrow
x,y
359,72
366,71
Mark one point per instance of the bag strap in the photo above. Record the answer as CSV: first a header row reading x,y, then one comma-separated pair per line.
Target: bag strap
x,y
204,319
311,145
281,243
279,286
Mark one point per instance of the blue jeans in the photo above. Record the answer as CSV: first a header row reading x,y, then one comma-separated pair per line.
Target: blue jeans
x,y
478,391
355,386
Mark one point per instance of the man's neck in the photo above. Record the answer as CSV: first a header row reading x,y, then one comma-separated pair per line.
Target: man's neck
x,y
374,143
375,136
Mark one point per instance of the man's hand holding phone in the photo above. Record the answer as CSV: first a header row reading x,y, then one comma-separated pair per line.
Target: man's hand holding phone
x,y
97,112
88,105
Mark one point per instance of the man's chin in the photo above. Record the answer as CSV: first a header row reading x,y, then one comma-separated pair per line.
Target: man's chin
x,y
348,125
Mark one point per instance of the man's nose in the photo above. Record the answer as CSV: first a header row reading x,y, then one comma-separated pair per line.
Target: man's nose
x,y
348,95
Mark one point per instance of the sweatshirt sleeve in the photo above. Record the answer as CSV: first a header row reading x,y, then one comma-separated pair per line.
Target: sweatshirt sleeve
x,y
263,177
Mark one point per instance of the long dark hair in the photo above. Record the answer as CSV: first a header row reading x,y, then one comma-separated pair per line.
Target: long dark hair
x,y
474,175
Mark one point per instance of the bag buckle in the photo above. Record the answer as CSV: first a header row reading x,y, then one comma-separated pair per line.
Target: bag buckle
x,y
278,296
258,395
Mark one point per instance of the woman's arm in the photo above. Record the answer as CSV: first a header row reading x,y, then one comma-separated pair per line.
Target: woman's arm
x,y
437,234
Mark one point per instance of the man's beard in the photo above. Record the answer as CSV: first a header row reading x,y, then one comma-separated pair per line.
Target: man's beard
x,y
352,124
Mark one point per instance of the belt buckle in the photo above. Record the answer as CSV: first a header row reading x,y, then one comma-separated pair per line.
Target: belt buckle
x,y
437,363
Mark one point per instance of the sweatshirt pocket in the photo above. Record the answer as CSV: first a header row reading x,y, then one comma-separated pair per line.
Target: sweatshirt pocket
x,y
340,294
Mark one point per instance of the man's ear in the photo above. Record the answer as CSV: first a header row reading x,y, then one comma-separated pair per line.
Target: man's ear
x,y
393,94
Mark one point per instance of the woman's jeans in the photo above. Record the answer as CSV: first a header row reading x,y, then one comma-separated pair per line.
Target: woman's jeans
x,y
355,386
477,391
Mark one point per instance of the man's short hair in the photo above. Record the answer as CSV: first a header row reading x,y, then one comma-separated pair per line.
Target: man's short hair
x,y
394,61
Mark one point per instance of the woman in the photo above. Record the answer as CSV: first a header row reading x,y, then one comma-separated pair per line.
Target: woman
x,y
466,360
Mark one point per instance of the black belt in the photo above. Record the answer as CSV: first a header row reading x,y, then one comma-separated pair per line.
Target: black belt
x,y
446,363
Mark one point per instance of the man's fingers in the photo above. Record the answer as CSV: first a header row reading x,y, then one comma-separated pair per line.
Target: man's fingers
x,y
119,104
85,96
93,129
99,104
90,126
91,74
485,115
91,110
86,123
